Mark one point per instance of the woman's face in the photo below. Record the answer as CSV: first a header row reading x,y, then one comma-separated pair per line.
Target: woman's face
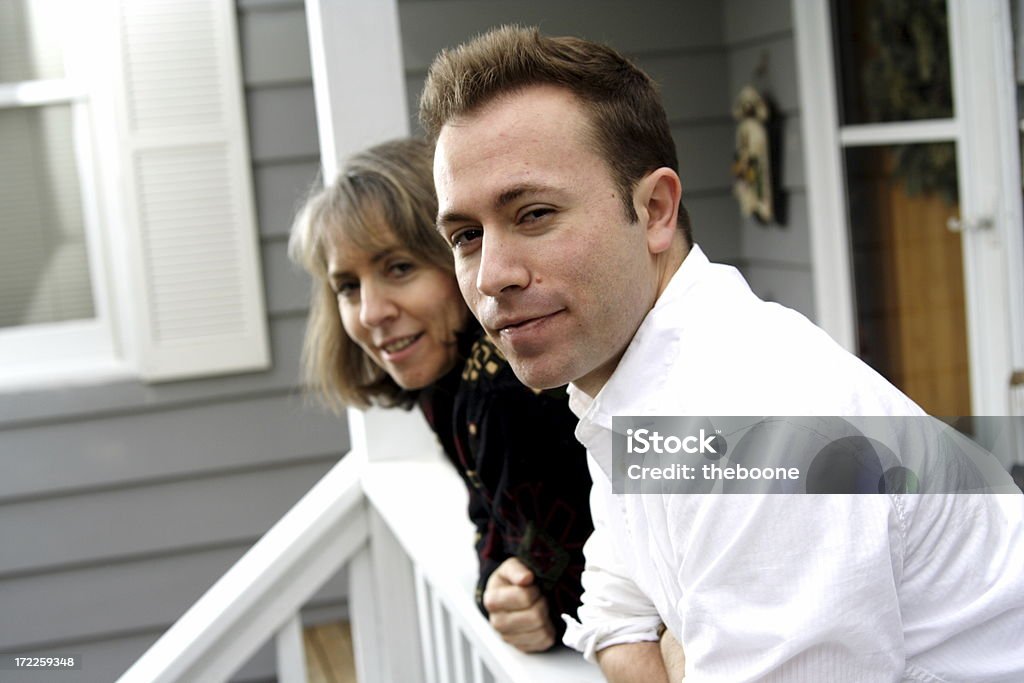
x,y
402,312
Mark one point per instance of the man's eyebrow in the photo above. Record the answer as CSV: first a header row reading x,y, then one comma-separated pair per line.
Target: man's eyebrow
x,y
449,217
515,192
501,201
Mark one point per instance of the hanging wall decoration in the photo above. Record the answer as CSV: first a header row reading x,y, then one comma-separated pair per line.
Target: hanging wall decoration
x,y
752,168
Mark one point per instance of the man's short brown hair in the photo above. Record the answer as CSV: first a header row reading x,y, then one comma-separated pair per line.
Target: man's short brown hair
x,y
628,121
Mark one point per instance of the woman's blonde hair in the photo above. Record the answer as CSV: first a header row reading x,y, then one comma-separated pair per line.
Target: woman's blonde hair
x,y
382,197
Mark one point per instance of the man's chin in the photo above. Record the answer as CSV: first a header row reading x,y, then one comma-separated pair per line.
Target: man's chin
x,y
538,376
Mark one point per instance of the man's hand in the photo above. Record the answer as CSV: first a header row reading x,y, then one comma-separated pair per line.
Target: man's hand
x,y
518,611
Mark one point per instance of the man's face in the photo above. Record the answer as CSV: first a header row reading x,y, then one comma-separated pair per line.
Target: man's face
x,y
544,253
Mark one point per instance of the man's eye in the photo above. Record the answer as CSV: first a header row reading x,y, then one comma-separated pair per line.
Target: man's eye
x,y
463,238
535,214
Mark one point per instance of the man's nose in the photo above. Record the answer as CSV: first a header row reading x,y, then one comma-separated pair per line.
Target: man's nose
x,y
376,306
501,266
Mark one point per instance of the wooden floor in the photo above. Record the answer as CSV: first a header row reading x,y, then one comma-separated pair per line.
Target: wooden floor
x,y
329,656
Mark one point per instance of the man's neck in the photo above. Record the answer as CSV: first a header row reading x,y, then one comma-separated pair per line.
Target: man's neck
x,y
667,263
665,266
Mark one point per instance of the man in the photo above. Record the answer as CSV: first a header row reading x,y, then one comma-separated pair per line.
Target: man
x,y
559,193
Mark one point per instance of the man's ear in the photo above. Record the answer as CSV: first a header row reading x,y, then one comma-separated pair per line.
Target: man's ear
x,y
657,198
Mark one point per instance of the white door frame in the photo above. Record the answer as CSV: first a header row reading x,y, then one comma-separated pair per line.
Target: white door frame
x,y
986,137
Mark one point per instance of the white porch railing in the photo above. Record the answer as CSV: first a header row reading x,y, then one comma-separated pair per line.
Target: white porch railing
x,y
400,526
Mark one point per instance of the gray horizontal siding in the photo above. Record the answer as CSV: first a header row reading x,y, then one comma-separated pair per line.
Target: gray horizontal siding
x,y
702,165
118,600
693,84
776,259
694,25
121,503
790,244
280,188
793,154
715,226
748,21
134,448
290,111
156,518
775,282
263,34
779,53
106,659
287,284
253,6
102,660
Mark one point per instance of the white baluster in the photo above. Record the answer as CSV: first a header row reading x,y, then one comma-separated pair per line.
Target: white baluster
x,y
458,652
426,627
442,651
478,667
291,655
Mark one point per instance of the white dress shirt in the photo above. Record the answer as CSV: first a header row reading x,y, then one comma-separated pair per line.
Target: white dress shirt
x,y
786,587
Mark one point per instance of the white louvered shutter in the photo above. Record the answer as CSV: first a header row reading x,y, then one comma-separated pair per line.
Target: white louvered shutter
x,y
189,229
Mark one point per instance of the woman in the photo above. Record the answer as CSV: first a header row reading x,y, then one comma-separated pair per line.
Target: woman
x,y
388,326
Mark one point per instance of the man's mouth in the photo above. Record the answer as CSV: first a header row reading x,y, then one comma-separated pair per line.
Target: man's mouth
x,y
511,324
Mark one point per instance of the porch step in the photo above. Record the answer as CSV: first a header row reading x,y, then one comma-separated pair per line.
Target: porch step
x,y
329,657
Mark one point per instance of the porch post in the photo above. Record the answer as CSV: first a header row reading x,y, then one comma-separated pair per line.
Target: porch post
x,y
359,87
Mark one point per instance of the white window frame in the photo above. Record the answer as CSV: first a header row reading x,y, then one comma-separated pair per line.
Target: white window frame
x,y
81,350
985,134
123,340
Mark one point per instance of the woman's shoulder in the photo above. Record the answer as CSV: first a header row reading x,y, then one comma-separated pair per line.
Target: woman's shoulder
x,y
484,362
488,374
487,368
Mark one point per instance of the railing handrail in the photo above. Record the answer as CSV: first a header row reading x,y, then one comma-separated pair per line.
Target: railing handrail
x,y
266,587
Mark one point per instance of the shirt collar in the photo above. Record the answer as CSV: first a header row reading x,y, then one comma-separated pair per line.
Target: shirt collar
x,y
579,401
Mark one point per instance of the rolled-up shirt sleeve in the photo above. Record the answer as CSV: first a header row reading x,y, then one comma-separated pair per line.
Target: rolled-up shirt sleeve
x,y
613,610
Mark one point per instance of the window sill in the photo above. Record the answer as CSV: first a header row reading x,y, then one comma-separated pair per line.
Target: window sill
x,y
59,375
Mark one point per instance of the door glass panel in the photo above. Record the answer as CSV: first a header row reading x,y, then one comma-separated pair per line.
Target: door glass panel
x,y
908,271
893,60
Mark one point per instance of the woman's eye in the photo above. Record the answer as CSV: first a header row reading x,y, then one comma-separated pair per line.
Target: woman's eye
x,y
345,290
400,268
463,238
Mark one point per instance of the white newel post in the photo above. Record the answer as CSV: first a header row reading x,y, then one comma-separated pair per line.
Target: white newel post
x,y
382,589
359,86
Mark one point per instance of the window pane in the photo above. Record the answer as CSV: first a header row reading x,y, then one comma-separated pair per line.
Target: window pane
x,y
893,60
44,270
908,271
30,44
